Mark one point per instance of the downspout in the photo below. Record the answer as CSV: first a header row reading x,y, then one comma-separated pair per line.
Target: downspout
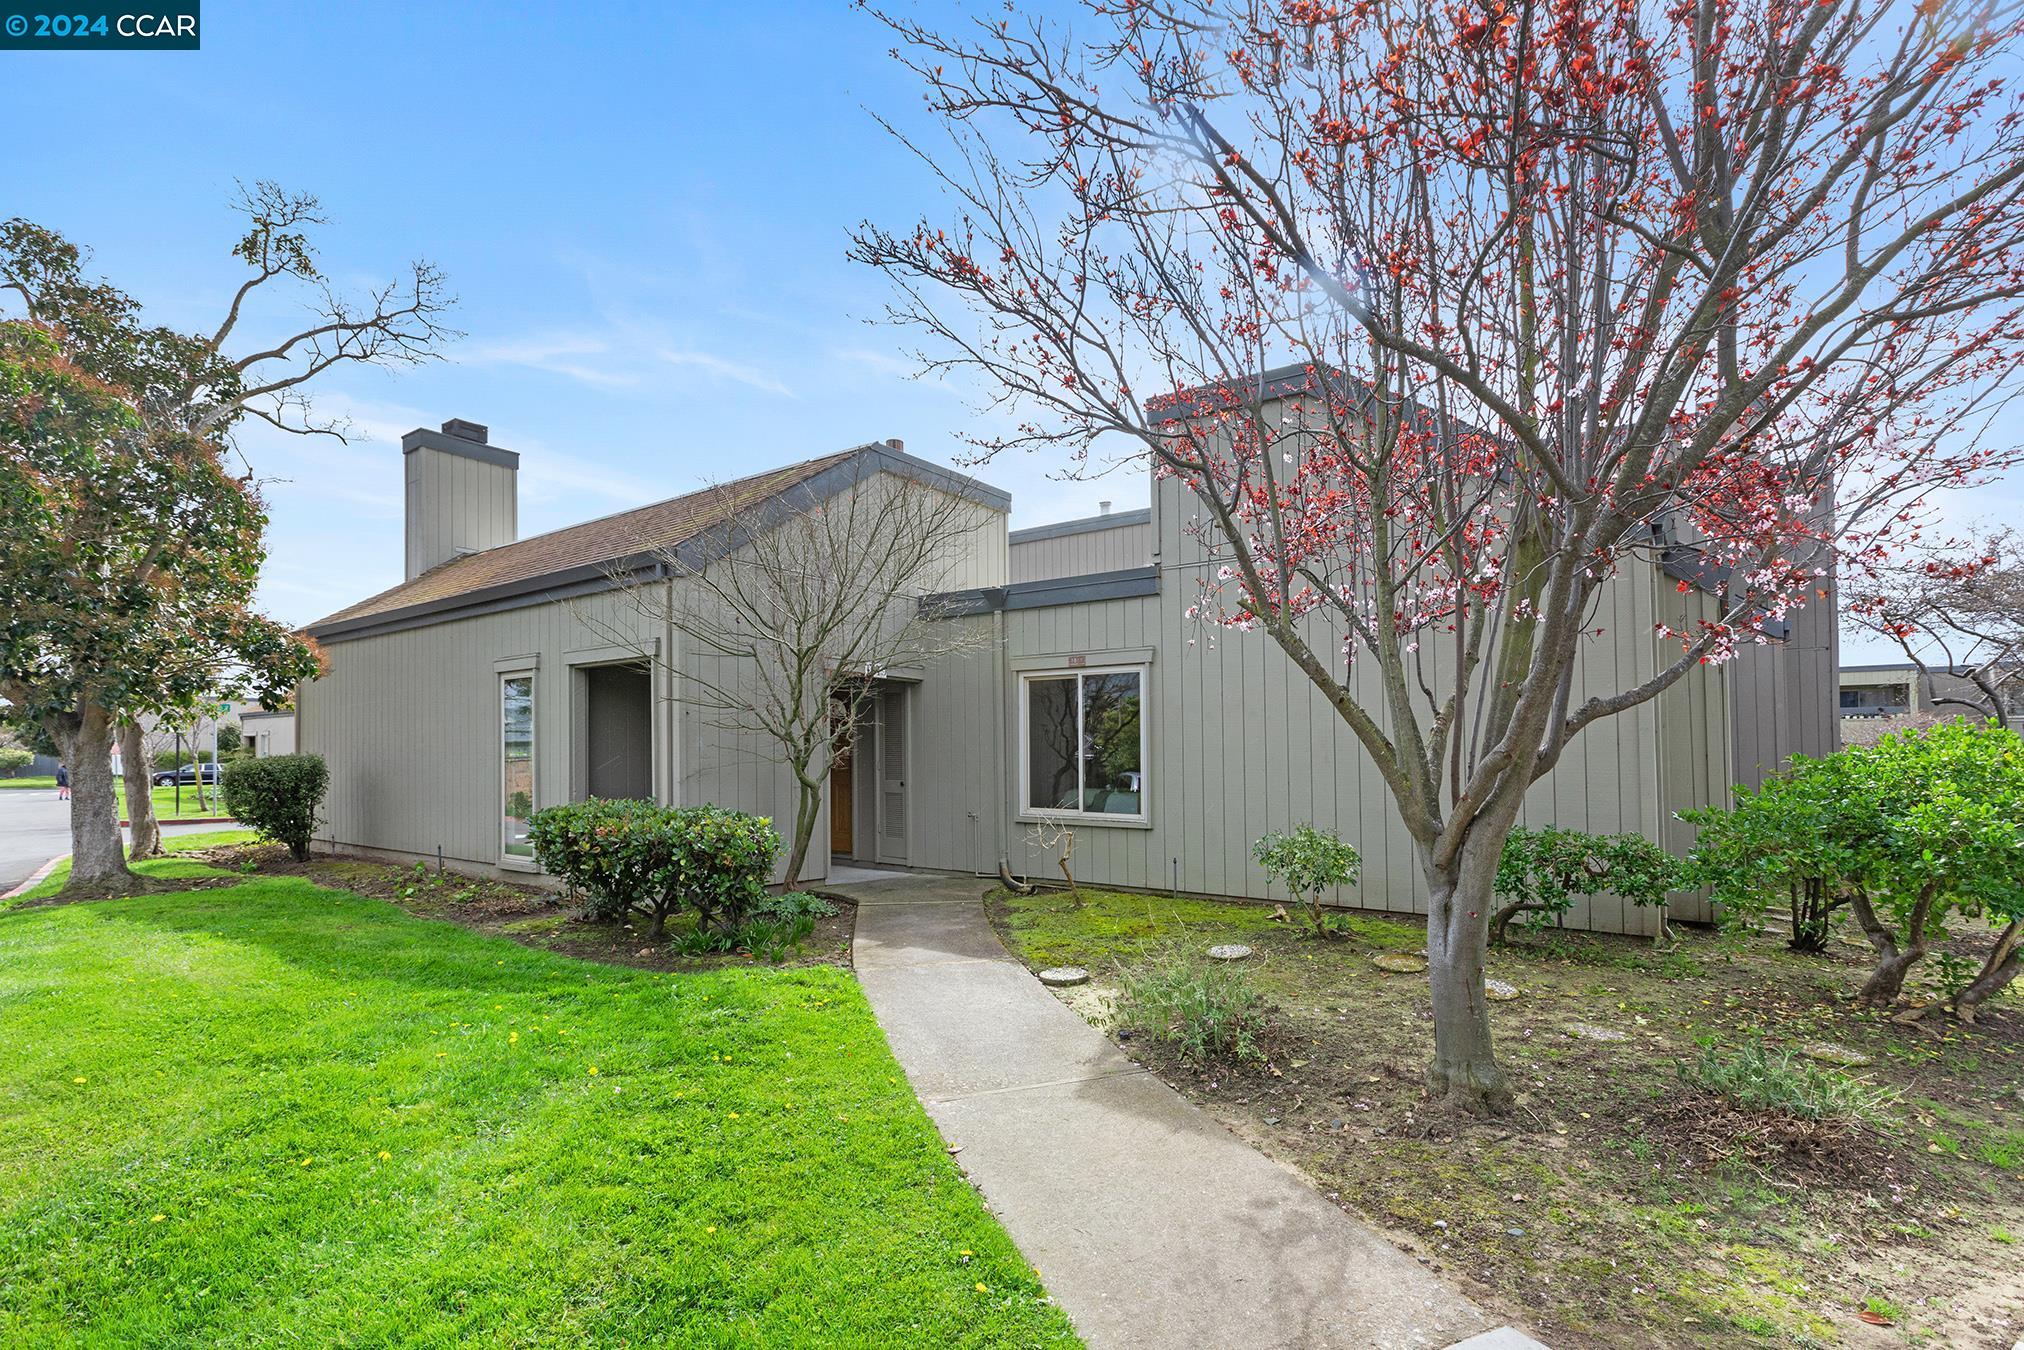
x,y
669,686
1001,794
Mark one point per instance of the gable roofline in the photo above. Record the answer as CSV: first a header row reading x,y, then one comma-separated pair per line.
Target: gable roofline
x,y
625,561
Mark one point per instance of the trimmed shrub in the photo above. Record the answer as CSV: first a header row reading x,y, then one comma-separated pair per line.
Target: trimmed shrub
x,y
627,855
279,797
14,758
1543,871
1203,1010
1907,833
1307,861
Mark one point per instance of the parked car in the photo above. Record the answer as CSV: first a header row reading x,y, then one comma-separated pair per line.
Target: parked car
x,y
186,776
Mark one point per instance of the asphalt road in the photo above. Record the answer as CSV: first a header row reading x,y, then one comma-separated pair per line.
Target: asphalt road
x,y
35,827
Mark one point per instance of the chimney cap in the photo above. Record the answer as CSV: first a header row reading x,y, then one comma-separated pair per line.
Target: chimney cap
x,y
897,444
467,431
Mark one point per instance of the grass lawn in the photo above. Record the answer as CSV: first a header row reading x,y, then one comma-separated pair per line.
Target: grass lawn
x,y
274,1112
165,802
164,797
170,867
1619,1204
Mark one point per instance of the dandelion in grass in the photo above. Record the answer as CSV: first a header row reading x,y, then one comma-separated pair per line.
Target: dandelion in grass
x,y
593,1071
384,1155
158,1218
983,1288
77,1080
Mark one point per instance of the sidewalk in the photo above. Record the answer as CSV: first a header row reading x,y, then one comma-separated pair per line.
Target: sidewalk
x,y
1150,1223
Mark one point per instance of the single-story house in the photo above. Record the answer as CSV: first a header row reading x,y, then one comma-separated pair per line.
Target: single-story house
x,y
504,674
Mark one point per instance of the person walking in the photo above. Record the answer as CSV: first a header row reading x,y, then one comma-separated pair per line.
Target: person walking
x,y
63,782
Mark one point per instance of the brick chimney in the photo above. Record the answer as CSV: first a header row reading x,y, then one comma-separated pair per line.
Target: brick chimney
x,y
462,494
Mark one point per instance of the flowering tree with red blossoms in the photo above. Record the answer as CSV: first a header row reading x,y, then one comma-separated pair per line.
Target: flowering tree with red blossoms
x,y
1561,286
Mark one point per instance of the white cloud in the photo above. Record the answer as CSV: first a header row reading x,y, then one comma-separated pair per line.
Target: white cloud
x,y
584,357
718,368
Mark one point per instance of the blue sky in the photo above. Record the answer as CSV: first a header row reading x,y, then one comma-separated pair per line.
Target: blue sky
x,y
643,210
643,213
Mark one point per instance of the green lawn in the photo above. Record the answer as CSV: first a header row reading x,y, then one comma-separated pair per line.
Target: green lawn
x,y
165,802
164,797
154,867
278,1113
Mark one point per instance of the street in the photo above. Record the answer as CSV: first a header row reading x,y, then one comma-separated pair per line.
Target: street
x,y
35,827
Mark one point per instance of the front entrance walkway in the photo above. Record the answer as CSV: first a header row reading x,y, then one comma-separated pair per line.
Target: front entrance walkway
x,y
1150,1223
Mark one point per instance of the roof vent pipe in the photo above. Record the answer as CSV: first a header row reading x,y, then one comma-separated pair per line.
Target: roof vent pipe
x,y
1103,508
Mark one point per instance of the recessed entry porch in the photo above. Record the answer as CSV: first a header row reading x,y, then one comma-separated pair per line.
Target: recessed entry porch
x,y
869,816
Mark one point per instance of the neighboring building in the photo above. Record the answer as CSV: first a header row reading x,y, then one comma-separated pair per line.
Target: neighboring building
x,y
264,733
1900,688
503,675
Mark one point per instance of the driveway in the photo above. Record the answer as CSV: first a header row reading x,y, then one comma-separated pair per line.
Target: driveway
x,y
35,827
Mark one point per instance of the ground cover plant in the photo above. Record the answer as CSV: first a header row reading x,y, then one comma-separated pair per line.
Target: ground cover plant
x,y
272,1111
1679,1170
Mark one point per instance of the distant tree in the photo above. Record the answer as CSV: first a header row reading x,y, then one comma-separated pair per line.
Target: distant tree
x,y
1562,289
811,601
125,546
14,758
1955,609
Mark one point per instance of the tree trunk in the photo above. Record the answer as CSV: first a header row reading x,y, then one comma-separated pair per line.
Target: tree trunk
x,y
1500,922
1895,961
1997,972
140,794
97,853
807,806
1459,899
1887,981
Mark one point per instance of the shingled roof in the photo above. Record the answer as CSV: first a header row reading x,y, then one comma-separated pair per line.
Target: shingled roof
x,y
584,554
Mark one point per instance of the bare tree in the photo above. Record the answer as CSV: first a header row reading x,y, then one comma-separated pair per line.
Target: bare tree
x,y
1955,610
1560,290
803,604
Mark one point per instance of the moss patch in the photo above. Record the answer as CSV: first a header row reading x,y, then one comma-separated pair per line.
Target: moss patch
x,y
1593,1215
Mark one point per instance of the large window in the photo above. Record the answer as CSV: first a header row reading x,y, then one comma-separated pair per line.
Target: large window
x,y
1085,744
516,744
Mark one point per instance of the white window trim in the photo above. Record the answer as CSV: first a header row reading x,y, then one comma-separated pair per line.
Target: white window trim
x,y
1025,747
532,676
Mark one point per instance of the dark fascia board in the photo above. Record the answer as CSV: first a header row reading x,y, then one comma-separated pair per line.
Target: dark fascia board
x,y
695,553
423,439
568,584
1117,520
1127,584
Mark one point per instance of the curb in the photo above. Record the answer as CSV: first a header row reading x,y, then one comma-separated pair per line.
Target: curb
x,y
36,878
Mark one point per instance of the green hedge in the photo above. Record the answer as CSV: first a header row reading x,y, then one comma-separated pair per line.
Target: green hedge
x,y
627,855
278,796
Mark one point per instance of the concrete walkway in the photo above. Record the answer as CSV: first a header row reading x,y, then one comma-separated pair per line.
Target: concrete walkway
x,y
1150,1223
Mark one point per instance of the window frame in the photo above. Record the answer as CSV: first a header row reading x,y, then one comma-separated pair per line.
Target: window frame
x,y
1026,810
526,861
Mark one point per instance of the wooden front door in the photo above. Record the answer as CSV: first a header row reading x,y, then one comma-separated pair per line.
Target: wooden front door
x,y
842,806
